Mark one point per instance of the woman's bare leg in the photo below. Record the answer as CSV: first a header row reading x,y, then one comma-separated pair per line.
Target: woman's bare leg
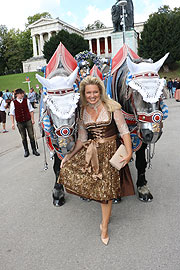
x,y
106,213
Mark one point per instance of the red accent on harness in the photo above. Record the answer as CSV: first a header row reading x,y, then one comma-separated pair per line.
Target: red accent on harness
x,y
154,117
49,143
145,75
60,92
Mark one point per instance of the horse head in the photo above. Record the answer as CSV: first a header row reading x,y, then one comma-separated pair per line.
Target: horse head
x,y
146,88
61,102
143,91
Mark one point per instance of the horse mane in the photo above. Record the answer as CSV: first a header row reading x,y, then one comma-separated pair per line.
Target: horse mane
x,y
58,72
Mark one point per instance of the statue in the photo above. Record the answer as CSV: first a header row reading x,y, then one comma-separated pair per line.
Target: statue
x,y
116,12
129,15
116,17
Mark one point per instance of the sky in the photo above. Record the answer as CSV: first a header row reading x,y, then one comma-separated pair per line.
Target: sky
x,y
14,14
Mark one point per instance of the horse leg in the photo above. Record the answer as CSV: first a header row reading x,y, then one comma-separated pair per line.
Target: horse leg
x,y
143,191
58,190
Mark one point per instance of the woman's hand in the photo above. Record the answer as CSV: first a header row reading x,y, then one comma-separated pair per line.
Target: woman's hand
x,y
128,145
126,160
65,159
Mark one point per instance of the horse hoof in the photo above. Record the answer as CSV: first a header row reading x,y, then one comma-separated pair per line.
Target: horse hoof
x,y
144,195
59,203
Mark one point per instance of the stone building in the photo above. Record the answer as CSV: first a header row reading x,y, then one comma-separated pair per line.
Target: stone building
x,y
100,40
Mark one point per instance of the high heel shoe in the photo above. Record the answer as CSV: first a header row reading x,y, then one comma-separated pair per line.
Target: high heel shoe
x,y
104,240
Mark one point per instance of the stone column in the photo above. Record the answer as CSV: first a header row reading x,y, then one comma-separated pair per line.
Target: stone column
x,y
90,45
34,46
98,47
49,35
106,47
41,44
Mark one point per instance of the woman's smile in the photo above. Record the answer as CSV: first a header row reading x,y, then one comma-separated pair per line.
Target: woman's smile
x,y
92,94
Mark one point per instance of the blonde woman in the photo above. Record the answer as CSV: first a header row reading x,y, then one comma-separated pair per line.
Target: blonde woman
x,y
86,171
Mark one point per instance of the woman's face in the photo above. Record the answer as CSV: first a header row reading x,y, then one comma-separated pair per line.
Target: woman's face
x,y
92,93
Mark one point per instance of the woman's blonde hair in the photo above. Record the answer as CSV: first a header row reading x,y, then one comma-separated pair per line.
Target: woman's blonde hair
x,y
89,80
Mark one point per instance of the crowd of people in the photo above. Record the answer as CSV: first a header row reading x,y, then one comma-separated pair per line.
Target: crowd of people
x,y
173,86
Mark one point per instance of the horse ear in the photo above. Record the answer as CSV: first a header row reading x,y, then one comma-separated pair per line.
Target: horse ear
x,y
131,66
157,65
72,77
43,81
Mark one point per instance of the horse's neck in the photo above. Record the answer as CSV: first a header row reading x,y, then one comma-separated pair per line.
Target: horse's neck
x,y
120,93
126,106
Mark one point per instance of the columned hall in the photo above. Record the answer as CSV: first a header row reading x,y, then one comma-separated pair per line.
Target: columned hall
x,y
100,40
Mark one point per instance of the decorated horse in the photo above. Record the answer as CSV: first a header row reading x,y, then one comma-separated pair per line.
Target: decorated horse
x,y
136,85
59,111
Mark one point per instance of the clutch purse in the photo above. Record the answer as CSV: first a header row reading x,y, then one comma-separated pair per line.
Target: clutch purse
x,y
118,156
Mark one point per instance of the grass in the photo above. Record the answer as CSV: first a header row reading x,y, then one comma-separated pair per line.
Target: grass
x,y
14,81
174,73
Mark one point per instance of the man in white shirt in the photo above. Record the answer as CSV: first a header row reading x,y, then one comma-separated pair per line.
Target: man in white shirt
x,y
3,107
23,112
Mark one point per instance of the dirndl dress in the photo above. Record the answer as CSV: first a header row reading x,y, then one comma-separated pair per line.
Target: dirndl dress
x,y
88,173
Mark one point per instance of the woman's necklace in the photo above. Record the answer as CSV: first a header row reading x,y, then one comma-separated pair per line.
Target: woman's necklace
x,y
95,106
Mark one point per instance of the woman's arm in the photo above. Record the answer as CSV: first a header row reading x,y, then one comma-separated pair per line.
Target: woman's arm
x,y
125,135
128,144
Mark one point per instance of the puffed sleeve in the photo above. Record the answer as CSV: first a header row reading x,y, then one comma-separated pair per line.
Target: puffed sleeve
x,y
120,122
82,132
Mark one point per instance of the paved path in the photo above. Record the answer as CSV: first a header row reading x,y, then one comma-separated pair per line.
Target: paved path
x,y
34,235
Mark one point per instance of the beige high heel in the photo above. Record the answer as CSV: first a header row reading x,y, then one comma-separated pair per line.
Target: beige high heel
x,y
104,240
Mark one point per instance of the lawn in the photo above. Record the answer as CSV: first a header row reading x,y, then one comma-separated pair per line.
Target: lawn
x,y
14,81
173,74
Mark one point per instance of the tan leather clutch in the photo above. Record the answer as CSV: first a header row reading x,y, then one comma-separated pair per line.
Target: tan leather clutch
x,y
118,156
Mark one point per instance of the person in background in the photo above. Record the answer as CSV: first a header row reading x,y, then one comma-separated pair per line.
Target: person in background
x,y
32,97
22,110
3,107
169,85
177,92
7,97
174,84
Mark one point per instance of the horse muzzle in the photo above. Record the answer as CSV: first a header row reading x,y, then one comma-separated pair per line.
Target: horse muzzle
x,y
150,132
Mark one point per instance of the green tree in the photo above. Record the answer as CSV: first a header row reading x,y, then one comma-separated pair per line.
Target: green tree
x,y
161,34
3,33
25,43
36,17
96,25
73,43
12,54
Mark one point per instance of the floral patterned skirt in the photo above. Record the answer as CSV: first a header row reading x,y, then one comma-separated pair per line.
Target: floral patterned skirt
x,y
79,180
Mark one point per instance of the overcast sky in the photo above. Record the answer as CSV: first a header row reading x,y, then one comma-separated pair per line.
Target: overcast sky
x,y
78,13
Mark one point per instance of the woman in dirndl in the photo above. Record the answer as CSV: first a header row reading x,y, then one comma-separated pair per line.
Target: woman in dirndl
x,y
86,171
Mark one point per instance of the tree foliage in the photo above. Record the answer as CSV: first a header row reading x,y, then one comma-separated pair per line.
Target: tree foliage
x,y
96,25
73,43
161,34
3,32
37,16
16,46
